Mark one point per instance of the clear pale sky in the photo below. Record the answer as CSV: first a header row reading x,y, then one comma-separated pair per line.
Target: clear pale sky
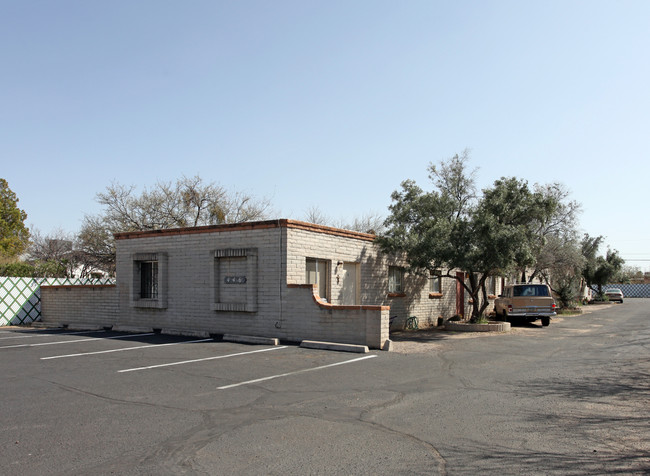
x,y
327,103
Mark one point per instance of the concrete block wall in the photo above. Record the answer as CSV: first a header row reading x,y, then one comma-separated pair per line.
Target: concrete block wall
x,y
93,306
194,258
282,311
310,319
190,273
338,246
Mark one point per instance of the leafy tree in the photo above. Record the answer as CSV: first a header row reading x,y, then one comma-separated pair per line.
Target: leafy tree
x,y
18,269
14,235
188,202
453,228
599,270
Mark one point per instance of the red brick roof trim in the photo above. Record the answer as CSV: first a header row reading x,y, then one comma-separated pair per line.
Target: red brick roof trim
x,y
254,225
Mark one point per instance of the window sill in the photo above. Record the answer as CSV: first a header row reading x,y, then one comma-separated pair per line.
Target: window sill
x,y
149,303
435,295
232,307
396,295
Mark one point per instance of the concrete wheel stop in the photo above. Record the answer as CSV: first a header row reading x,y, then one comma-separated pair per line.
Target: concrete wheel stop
x,y
493,326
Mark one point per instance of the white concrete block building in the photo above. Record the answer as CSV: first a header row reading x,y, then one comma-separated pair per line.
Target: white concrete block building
x,y
280,278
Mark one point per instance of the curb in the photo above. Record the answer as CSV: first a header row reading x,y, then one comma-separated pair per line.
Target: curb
x,y
43,325
466,327
181,332
81,327
313,344
133,329
250,339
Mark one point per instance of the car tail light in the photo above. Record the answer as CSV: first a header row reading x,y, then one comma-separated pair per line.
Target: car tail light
x,y
553,306
509,307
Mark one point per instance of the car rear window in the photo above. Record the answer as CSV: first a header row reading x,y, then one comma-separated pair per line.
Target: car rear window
x,y
530,290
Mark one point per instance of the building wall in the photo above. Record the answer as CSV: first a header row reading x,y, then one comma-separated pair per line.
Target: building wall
x,y
90,306
314,320
337,247
250,279
194,263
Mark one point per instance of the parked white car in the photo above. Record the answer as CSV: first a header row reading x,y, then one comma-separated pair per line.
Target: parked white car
x,y
614,294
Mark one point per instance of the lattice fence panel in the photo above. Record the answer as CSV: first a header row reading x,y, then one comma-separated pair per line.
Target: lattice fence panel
x,y
20,298
631,290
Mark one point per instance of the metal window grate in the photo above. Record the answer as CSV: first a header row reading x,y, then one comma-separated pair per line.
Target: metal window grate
x,y
149,280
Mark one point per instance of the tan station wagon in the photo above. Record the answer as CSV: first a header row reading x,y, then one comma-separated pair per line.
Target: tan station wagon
x,y
527,302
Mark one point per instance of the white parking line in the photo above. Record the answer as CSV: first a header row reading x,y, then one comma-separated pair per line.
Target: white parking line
x,y
294,373
202,360
73,341
40,334
124,348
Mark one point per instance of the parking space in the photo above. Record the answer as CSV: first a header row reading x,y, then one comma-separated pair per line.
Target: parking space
x,y
90,402
107,403
87,357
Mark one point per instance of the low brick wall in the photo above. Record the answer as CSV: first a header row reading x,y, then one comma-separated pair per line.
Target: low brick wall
x,y
308,318
304,316
79,306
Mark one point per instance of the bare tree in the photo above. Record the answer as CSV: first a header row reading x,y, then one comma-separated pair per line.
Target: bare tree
x,y
316,216
557,248
369,222
53,253
59,255
187,202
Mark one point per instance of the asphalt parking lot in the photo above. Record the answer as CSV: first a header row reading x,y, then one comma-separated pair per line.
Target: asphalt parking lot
x,y
567,399
74,397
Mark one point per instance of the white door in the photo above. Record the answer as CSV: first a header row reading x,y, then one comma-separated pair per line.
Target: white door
x,y
350,284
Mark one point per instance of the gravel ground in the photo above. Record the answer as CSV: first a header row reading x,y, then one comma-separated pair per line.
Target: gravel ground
x,y
428,339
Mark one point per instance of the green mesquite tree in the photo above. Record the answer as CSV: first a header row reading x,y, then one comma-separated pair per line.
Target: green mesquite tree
x,y
451,228
599,270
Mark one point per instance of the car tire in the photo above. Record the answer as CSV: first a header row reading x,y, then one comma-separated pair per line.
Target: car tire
x,y
546,321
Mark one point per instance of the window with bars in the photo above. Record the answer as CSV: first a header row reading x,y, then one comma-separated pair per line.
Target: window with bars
x,y
149,280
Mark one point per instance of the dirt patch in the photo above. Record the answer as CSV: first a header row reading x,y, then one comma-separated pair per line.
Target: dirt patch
x,y
427,340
